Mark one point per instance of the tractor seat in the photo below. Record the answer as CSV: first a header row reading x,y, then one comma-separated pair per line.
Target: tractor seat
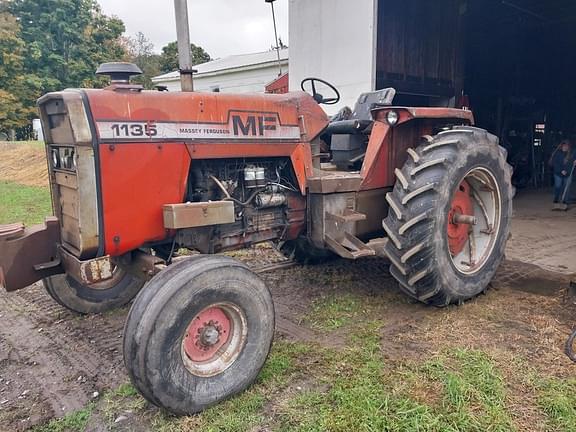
x,y
351,127
349,131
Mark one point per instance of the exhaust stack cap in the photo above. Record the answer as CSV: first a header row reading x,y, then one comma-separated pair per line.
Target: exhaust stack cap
x,y
119,72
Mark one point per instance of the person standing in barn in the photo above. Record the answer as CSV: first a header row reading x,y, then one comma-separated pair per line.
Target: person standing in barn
x,y
562,163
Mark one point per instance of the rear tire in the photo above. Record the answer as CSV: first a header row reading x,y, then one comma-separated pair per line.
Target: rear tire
x,y
96,298
198,333
429,257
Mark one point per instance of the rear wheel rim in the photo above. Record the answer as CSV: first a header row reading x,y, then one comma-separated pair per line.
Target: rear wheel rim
x,y
474,220
214,339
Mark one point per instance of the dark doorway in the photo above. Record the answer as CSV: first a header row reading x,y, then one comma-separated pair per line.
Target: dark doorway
x,y
513,62
520,65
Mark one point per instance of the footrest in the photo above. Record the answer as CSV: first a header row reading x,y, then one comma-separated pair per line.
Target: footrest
x,y
347,216
351,247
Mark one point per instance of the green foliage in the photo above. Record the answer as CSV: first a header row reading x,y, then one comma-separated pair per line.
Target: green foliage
x,y
23,203
49,45
75,422
18,89
140,51
335,311
125,391
474,393
169,57
459,391
558,400
239,414
66,40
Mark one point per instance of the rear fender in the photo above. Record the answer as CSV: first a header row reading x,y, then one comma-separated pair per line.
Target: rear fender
x,y
442,115
388,145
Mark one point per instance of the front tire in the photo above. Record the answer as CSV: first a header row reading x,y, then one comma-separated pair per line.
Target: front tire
x,y
95,298
449,218
198,333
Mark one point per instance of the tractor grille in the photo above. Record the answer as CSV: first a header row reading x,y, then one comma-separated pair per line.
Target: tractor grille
x,y
72,171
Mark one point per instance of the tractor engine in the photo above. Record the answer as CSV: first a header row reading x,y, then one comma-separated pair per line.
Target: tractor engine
x,y
267,203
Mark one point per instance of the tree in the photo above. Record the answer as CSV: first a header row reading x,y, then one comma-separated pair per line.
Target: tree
x,y
48,45
66,40
141,52
18,90
169,57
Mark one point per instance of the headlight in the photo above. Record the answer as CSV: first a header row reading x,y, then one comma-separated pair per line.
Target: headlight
x,y
55,158
392,118
67,161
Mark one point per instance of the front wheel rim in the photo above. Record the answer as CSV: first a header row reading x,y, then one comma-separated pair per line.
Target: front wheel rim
x,y
214,339
474,220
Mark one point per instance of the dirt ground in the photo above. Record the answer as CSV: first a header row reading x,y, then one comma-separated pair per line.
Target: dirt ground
x,y
53,362
34,172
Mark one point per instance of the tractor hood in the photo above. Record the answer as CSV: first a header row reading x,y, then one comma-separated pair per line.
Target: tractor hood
x,y
129,114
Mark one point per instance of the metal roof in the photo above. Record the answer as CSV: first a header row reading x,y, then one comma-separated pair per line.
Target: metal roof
x,y
230,63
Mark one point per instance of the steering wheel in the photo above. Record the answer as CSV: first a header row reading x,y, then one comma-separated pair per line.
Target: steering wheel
x,y
319,98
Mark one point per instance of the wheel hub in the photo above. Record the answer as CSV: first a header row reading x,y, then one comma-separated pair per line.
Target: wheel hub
x,y
214,339
473,226
460,218
208,332
209,335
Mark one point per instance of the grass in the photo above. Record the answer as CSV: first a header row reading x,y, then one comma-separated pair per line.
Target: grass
x,y
306,388
23,203
464,392
336,311
75,422
558,400
238,414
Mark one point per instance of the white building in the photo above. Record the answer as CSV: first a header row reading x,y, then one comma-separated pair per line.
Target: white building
x,y
234,74
334,40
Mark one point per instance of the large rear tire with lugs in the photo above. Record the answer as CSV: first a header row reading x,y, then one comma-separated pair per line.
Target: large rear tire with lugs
x,y
449,217
198,333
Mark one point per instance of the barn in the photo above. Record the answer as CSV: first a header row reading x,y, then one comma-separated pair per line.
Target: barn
x,y
511,61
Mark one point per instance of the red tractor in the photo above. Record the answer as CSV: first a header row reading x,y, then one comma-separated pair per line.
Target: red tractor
x,y
138,175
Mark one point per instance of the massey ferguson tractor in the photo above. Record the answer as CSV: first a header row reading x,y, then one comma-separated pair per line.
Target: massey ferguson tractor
x,y
137,176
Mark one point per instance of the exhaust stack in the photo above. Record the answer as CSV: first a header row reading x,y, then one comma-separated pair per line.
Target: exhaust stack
x,y
119,72
184,53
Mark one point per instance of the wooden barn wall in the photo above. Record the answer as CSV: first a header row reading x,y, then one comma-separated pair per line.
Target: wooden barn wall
x,y
420,46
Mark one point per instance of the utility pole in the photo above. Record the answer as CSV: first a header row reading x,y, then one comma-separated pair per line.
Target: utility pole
x,y
276,35
184,53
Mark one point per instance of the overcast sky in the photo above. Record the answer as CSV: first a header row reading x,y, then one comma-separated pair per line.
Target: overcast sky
x,y
221,27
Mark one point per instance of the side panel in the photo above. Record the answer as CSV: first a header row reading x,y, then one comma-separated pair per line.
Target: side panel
x,y
137,180
148,140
